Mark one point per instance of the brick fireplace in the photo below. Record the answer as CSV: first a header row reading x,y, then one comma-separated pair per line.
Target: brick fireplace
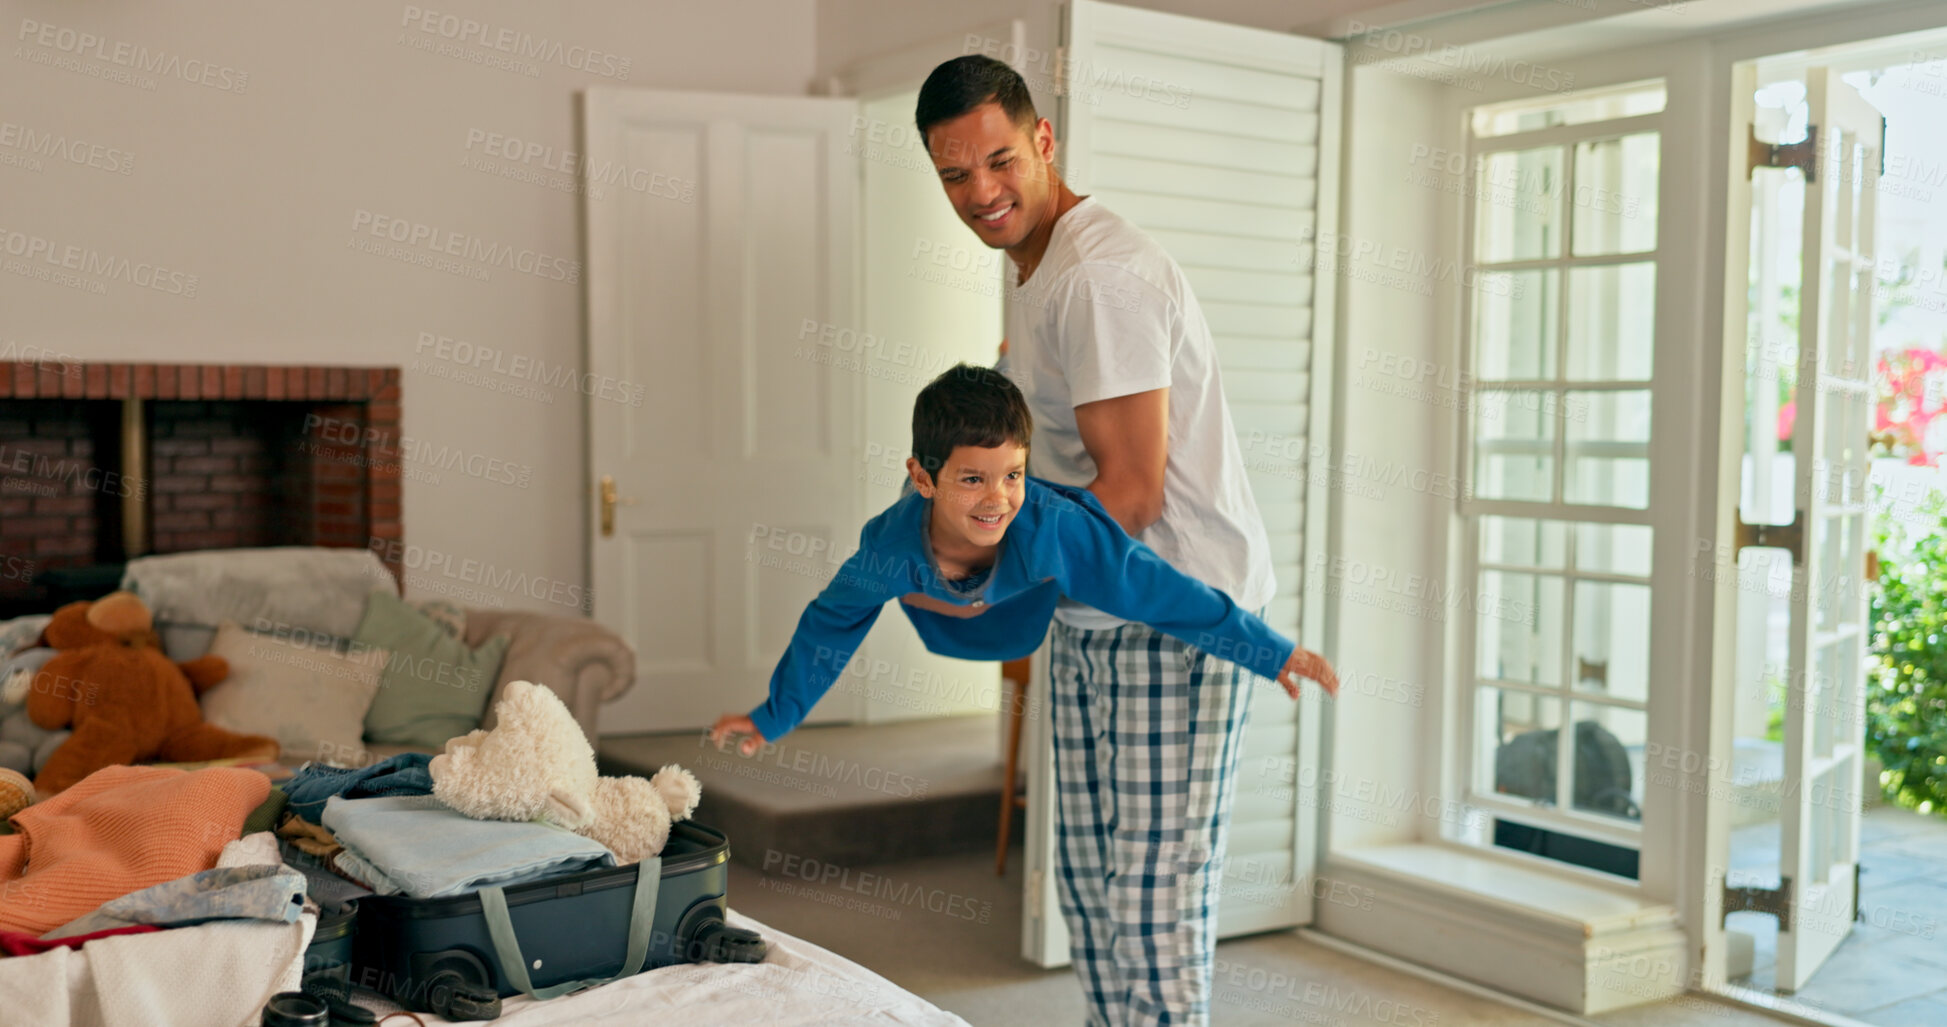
x,y
100,462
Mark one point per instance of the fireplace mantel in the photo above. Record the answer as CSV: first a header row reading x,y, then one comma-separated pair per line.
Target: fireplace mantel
x,y
51,379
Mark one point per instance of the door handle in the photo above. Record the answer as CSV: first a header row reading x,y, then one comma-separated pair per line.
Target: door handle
x,y
609,501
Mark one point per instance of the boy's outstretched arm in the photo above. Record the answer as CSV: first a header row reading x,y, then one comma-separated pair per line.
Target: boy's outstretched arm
x,y
1114,573
828,633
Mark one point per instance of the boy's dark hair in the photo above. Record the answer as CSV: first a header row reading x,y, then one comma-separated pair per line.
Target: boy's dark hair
x,y
963,83
967,406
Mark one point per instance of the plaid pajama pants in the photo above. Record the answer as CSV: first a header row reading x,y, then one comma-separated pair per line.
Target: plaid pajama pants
x,y
1147,730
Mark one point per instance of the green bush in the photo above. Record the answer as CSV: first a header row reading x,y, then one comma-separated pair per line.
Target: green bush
x,y
1906,681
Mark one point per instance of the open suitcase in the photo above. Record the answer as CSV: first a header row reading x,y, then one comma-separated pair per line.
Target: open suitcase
x,y
458,956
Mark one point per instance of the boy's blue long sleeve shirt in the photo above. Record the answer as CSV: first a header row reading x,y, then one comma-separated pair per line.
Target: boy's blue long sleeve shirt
x,y
1061,542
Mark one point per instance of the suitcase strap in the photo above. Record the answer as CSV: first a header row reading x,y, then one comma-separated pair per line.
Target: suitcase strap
x,y
642,920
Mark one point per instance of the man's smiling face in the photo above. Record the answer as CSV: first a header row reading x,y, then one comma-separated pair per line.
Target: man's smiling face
x,y
998,174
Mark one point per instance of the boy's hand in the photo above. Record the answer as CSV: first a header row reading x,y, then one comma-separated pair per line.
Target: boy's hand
x,y
1307,664
740,724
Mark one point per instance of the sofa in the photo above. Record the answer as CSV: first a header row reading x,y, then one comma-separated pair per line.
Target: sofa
x,y
306,600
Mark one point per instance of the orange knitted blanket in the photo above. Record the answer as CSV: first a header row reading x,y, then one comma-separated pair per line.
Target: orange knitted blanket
x,y
118,830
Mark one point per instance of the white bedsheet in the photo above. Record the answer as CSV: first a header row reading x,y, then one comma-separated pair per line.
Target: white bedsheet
x,y
209,975
799,984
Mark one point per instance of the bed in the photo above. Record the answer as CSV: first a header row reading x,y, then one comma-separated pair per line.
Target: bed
x,y
799,984
197,976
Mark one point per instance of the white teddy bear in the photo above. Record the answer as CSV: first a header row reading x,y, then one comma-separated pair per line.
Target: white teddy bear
x,y
537,765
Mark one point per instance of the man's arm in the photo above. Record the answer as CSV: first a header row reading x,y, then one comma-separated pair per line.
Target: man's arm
x,y
1129,439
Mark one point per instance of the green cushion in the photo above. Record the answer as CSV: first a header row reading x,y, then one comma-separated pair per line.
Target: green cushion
x,y
433,687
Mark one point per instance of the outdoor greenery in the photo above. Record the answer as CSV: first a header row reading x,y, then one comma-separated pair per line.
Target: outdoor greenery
x,y
1906,684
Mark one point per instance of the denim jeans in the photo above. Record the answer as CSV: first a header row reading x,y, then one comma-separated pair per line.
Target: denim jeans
x,y
314,783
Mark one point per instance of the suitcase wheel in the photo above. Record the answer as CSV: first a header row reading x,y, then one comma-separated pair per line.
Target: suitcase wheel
x,y
470,1002
454,984
718,942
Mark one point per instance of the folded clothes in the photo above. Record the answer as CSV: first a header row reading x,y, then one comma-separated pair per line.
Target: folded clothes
x,y
226,893
266,816
427,850
354,867
331,891
20,943
314,783
118,830
257,849
309,838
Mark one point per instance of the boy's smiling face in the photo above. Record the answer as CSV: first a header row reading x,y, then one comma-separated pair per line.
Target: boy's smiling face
x,y
976,494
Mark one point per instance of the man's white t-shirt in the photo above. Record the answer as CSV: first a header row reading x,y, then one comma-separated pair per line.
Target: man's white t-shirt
x,y
1107,313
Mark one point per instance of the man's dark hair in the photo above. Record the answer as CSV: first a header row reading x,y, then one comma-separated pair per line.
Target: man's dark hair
x,y
967,406
963,83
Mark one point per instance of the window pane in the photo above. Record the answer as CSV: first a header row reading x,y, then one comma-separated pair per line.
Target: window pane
x,y
1519,621
1611,322
1612,639
1613,548
1515,744
1580,109
1609,760
1613,209
1841,565
1517,211
1515,316
1522,542
1514,444
1608,448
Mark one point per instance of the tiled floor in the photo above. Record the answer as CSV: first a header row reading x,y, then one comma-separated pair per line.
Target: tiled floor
x,y
1893,969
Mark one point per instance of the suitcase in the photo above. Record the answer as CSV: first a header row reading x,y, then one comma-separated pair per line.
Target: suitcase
x,y
330,951
458,956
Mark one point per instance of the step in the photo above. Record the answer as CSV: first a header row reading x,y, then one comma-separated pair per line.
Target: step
x,y
845,795
1547,937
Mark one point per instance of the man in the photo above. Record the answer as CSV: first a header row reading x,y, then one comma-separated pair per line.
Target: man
x,y
1111,349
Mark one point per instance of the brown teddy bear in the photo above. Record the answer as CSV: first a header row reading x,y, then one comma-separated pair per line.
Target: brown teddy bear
x,y
125,700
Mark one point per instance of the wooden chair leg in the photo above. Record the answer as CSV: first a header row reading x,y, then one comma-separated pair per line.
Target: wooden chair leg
x,y
1016,709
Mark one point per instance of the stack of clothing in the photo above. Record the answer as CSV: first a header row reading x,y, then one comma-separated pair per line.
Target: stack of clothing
x,y
119,830
380,828
131,898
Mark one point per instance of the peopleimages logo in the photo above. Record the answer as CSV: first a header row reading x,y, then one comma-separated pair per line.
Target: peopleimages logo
x,y
78,43
86,261
419,236
63,148
534,154
515,43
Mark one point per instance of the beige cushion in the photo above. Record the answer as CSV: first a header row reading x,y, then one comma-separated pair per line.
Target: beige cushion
x,y
312,700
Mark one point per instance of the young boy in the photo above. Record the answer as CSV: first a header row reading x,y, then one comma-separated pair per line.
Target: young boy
x,y
978,554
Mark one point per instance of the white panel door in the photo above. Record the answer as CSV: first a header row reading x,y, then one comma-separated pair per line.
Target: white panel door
x,y
1221,142
730,481
1825,719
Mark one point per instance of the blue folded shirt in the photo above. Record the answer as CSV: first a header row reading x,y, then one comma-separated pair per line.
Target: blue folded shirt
x,y
428,851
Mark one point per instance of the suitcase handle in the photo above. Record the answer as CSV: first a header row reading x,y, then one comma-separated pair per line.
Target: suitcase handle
x,y
507,948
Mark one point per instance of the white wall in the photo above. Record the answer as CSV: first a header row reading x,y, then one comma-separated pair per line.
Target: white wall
x,y
932,293
256,192
1397,373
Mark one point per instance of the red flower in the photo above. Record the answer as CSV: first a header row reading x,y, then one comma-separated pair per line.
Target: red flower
x,y
1906,406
